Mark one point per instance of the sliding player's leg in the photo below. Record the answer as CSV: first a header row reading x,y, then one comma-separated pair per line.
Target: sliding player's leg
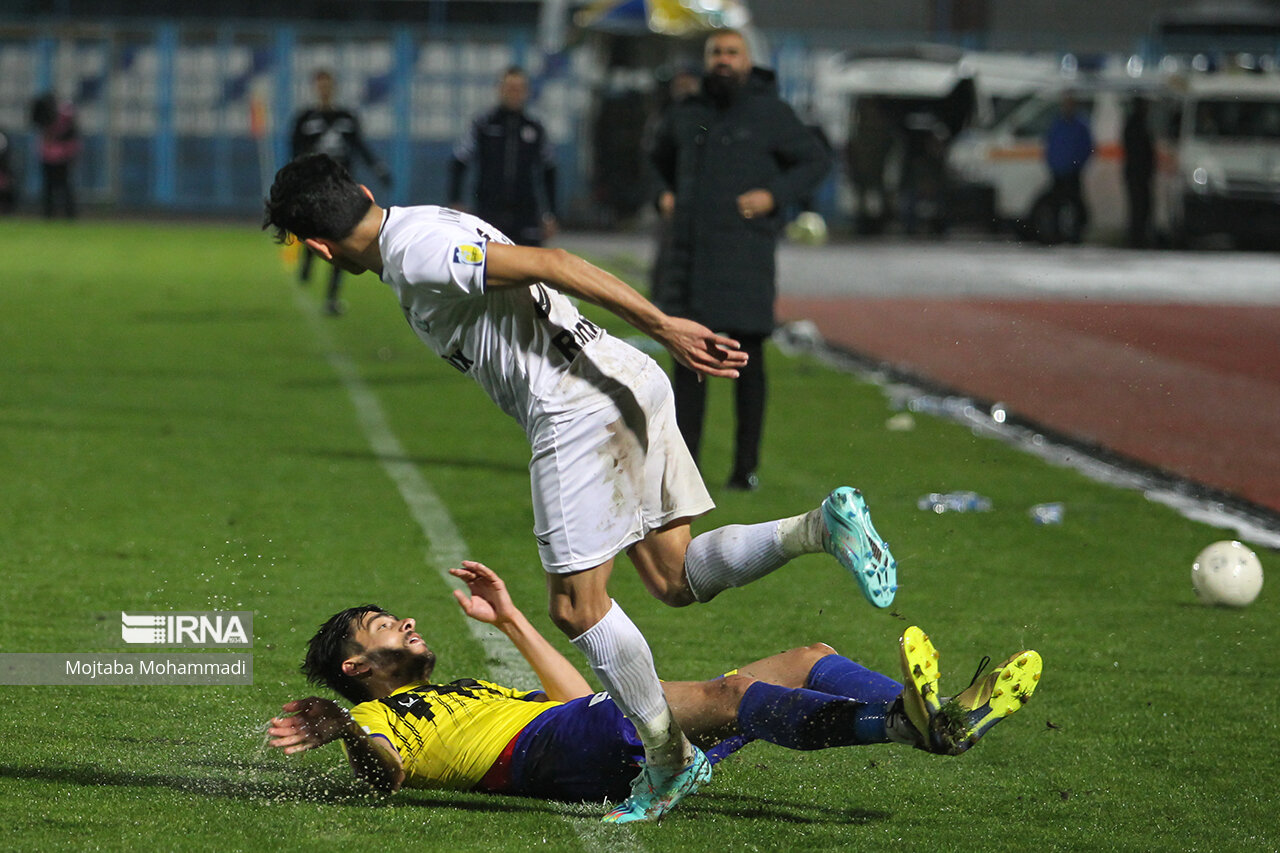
x,y
724,714
738,706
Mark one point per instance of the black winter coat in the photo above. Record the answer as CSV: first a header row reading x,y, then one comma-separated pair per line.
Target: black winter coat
x,y
721,265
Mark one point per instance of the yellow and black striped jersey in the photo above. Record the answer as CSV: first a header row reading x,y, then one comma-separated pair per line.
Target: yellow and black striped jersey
x,y
449,735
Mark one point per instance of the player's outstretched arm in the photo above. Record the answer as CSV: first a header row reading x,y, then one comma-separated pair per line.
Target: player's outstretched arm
x,y
313,722
490,603
692,344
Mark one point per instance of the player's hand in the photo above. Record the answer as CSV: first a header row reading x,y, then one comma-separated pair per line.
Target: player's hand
x,y
489,601
702,350
312,722
550,226
755,204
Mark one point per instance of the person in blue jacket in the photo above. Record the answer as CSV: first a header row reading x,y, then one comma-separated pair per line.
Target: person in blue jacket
x,y
1068,147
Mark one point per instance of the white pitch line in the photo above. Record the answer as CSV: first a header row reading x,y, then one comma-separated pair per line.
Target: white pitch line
x,y
445,547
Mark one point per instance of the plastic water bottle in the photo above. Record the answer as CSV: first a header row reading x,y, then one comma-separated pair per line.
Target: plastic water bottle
x,y
1050,513
941,502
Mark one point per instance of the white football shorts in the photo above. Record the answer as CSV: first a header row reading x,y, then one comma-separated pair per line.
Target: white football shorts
x,y
602,479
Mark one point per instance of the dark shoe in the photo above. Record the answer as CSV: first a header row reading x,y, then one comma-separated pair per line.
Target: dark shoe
x,y
743,483
335,307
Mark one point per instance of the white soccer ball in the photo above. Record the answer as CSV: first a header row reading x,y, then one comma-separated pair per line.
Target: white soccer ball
x,y
1227,573
808,228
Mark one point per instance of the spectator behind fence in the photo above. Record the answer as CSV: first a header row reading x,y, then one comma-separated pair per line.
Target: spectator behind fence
x,y
515,183
59,147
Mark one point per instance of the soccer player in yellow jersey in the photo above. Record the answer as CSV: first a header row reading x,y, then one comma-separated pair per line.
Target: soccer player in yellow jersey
x,y
566,742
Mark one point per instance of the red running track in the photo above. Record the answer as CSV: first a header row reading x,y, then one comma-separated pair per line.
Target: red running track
x,y
1189,389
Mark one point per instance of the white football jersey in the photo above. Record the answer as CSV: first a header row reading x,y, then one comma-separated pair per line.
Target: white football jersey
x,y
517,342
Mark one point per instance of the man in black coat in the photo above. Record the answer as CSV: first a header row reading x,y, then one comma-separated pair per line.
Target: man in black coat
x,y
733,158
515,184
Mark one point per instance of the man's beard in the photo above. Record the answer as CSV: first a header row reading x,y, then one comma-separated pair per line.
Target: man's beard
x,y
721,88
406,666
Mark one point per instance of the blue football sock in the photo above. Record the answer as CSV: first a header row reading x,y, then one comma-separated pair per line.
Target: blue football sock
x,y
839,676
725,748
806,719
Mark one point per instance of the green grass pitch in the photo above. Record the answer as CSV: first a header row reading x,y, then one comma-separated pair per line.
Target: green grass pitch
x,y
172,437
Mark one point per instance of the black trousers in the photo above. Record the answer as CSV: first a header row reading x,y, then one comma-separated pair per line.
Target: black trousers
x,y
1139,191
335,274
57,184
1067,197
749,399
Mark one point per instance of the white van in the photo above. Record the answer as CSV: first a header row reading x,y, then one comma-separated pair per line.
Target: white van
x,y
1007,158
1218,156
1220,159
906,93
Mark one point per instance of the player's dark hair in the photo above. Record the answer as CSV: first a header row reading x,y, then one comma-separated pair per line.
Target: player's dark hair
x,y
331,645
314,196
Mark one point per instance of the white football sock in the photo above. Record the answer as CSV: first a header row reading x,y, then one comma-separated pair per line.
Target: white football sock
x,y
737,554
802,534
620,658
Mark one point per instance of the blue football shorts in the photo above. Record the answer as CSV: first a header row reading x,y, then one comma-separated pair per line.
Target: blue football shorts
x,y
584,750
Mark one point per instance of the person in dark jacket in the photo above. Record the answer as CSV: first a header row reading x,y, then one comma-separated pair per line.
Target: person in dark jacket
x,y
515,184
866,156
8,195
59,147
329,129
732,157
684,84
1139,172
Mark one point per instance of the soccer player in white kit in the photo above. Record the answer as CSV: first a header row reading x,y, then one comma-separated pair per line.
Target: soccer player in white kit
x,y
610,472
